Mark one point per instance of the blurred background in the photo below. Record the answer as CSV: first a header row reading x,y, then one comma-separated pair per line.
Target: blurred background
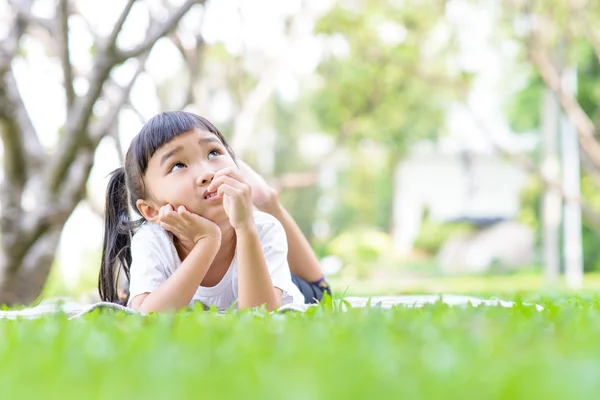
x,y
422,146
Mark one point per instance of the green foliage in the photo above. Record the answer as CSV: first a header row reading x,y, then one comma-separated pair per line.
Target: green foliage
x,y
291,121
402,353
382,89
530,214
588,82
390,89
523,112
591,250
568,39
363,192
589,191
361,248
433,234
531,200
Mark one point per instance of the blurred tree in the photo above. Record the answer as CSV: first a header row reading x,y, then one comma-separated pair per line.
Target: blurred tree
x,y
555,35
388,78
542,27
41,187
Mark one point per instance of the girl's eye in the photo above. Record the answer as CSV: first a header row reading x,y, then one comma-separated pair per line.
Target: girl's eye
x,y
214,153
176,166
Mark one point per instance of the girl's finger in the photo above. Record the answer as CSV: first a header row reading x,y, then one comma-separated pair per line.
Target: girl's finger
x,y
225,171
169,227
233,172
164,211
236,174
229,181
161,212
186,216
229,190
173,218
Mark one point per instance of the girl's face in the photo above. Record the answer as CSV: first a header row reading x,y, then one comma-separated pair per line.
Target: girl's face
x,y
179,174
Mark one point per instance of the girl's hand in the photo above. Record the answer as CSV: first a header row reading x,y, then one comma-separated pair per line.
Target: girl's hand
x,y
189,228
237,197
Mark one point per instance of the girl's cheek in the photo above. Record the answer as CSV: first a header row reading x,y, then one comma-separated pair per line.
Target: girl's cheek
x,y
226,162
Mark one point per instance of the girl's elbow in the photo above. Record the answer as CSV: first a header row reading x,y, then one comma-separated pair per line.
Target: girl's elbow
x,y
273,306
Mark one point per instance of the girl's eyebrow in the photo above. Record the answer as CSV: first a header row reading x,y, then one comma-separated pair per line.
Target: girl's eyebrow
x,y
209,139
166,156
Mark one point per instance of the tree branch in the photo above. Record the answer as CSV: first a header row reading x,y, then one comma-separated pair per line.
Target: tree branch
x,y
260,94
111,40
193,63
295,180
13,182
13,110
10,45
15,166
590,168
107,123
62,30
584,26
31,144
526,164
77,124
159,32
12,113
97,41
23,10
585,126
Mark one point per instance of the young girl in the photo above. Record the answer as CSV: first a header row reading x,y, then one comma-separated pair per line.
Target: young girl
x,y
200,238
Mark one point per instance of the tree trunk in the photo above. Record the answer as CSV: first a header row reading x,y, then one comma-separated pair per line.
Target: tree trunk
x,y
551,199
572,240
55,182
23,279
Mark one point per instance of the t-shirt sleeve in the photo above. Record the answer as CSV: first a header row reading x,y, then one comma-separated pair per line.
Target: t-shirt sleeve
x,y
275,248
147,270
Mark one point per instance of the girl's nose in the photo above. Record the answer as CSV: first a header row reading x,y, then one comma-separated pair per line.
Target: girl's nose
x,y
205,178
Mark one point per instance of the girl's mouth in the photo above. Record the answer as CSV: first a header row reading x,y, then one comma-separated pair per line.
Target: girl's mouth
x,y
210,195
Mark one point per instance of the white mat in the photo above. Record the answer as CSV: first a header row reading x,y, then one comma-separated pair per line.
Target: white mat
x,y
76,310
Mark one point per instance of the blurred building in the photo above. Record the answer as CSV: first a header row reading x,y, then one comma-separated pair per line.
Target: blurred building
x,y
462,185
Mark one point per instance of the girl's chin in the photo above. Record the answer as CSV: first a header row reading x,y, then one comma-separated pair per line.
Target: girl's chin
x,y
214,214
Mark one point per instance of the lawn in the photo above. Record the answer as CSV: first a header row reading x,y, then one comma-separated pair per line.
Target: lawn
x,y
435,352
508,285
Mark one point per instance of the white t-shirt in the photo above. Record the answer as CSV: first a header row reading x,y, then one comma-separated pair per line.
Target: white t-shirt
x,y
155,259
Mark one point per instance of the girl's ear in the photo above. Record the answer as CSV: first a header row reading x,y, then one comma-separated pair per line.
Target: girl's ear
x,y
148,210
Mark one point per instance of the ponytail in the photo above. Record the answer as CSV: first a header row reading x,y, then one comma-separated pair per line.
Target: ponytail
x,y
116,248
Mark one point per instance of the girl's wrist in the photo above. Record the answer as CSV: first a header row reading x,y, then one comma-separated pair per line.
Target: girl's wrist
x,y
245,229
207,246
273,209
271,204
210,244
214,237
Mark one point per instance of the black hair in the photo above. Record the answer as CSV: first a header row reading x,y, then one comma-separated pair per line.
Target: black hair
x,y
126,186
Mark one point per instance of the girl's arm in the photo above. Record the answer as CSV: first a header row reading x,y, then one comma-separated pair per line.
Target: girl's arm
x,y
301,257
177,291
204,238
255,287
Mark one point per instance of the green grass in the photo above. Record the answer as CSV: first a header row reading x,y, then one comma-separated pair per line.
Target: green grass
x,y
435,352
509,285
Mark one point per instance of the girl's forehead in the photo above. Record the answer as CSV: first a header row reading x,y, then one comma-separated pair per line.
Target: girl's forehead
x,y
195,135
